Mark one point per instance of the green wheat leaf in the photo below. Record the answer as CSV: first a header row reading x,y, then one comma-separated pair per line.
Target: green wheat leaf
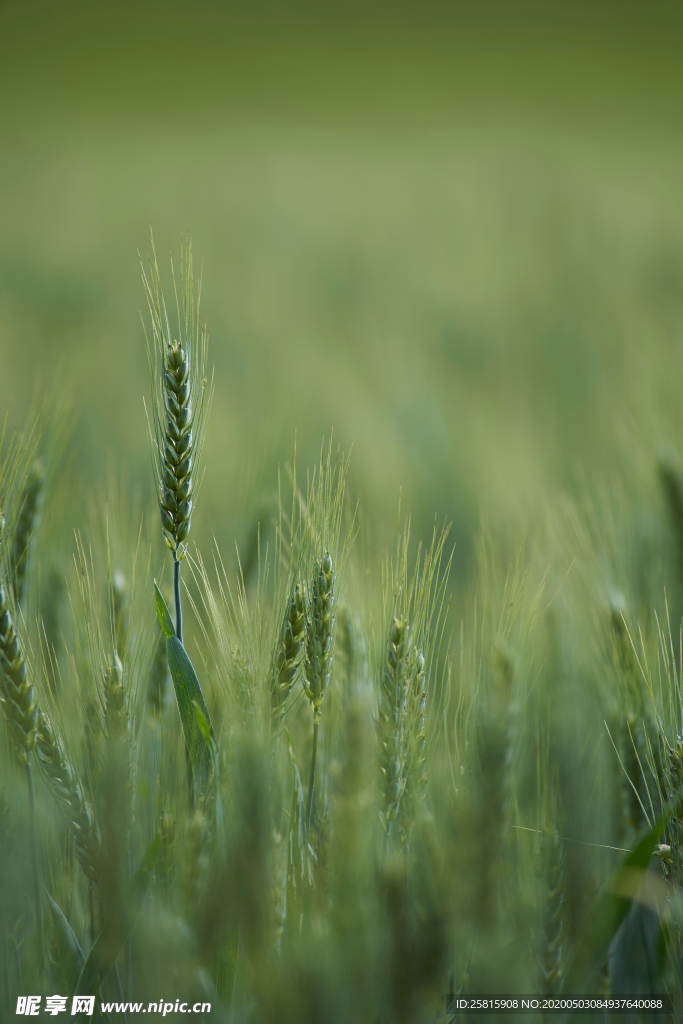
x,y
163,614
610,908
188,694
111,939
71,956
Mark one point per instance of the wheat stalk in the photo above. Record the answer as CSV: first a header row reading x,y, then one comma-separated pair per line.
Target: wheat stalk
x,y
116,789
6,848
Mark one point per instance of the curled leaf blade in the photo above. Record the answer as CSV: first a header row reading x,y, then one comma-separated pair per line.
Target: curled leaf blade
x,y
111,939
189,697
71,956
163,614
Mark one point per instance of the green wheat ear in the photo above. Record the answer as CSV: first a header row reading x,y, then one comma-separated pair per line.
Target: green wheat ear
x,y
115,699
391,719
16,690
414,775
120,608
180,400
318,654
29,501
70,798
319,633
553,936
21,711
290,643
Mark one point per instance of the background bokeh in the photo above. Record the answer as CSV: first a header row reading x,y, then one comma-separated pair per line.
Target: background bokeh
x,y
452,233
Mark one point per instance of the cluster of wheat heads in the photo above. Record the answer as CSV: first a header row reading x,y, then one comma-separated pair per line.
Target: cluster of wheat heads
x,y
313,799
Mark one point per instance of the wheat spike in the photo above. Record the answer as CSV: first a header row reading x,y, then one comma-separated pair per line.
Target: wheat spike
x,y
16,690
318,657
289,648
319,633
117,725
391,718
179,402
552,948
176,499
414,776
70,798
120,602
115,699
29,501
115,784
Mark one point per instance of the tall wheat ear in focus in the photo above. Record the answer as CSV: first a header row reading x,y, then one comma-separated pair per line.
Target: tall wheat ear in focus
x,y
181,396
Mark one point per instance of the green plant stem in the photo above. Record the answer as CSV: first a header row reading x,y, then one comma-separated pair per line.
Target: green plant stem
x,y
179,634
91,915
311,783
34,860
176,593
128,962
4,938
17,966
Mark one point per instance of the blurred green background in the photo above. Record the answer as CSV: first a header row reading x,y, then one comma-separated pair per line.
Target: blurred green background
x,y
452,233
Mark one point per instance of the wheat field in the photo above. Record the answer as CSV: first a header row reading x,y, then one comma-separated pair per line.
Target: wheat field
x,y
341,558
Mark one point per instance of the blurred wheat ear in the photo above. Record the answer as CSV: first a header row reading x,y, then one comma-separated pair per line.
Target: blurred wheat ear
x,y
71,801
391,720
29,509
318,659
552,953
21,713
414,778
319,632
18,695
410,648
287,658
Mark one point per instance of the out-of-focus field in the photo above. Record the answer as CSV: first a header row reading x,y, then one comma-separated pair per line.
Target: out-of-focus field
x,y
455,237
452,235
